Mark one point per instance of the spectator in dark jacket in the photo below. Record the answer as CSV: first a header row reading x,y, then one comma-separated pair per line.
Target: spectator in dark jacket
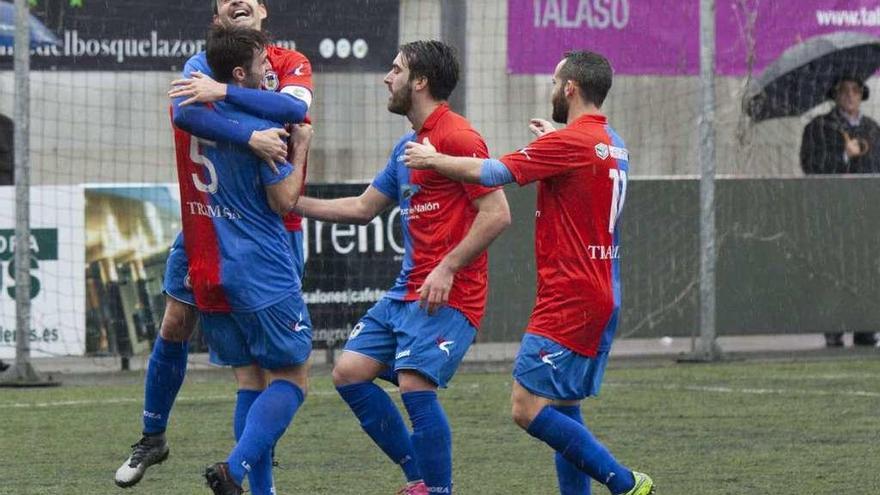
x,y
843,141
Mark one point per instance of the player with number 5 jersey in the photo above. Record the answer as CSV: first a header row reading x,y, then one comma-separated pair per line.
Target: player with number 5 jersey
x,y
581,172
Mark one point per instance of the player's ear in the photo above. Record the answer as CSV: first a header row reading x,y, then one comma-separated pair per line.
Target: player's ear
x,y
262,13
569,88
239,74
420,83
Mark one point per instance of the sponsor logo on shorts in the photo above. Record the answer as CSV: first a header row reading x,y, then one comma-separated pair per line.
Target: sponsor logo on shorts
x,y
246,466
299,326
187,282
403,354
548,358
438,489
444,345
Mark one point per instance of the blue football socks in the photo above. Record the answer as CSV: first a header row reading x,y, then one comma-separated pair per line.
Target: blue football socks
x,y
572,481
381,420
260,476
268,418
165,373
431,439
579,447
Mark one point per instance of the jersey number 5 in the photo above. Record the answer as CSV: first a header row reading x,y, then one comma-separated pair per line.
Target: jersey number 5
x,y
195,154
618,195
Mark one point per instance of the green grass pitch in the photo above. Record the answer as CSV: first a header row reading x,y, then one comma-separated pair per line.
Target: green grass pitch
x,y
807,426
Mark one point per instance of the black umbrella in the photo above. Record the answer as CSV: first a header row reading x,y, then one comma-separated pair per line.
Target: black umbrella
x,y
801,77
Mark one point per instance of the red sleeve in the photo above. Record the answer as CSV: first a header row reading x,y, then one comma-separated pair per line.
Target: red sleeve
x,y
547,156
467,142
294,69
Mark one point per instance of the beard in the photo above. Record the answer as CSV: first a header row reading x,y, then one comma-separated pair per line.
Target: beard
x,y
401,100
560,108
253,80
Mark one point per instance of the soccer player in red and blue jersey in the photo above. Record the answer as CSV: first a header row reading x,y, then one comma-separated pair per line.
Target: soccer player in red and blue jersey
x,y
250,304
418,333
288,100
582,174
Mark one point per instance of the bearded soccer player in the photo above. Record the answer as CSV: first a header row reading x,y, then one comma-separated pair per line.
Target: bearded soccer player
x,y
287,101
582,173
418,333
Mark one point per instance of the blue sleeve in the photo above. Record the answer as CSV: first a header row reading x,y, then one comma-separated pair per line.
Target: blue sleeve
x,y
202,121
494,173
205,123
268,105
270,178
386,181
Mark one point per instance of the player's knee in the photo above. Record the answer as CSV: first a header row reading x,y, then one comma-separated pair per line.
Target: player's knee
x,y
344,375
520,414
178,322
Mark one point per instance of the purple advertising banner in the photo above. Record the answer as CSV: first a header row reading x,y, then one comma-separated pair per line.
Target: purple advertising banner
x,y
661,37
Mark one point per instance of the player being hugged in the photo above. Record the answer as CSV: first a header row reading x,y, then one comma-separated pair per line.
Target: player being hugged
x,y
250,305
581,172
285,98
417,335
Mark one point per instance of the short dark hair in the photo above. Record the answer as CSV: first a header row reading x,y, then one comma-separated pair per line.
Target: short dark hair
x,y
435,61
832,91
214,5
591,72
230,47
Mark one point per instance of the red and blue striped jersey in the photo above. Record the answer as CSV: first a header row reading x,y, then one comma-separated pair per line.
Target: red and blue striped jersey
x,y
436,213
235,243
582,171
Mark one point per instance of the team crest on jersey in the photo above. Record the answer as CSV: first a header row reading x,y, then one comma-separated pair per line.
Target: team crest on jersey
x,y
602,151
409,190
270,81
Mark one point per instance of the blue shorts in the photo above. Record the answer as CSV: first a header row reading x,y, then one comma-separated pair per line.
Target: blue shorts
x,y
177,285
553,371
276,337
402,336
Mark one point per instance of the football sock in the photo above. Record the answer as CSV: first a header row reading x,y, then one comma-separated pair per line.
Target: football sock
x,y
268,418
431,439
572,481
381,420
579,447
165,373
260,476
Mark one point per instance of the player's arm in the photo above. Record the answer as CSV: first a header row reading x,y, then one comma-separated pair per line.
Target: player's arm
x,y
283,194
283,106
493,216
200,121
484,171
203,122
358,210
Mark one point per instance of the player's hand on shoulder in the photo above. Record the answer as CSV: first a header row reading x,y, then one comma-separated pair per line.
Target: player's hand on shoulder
x,y
270,145
539,127
420,155
199,88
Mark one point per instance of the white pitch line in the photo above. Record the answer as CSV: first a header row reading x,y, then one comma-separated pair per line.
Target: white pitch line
x,y
324,393
132,400
753,391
